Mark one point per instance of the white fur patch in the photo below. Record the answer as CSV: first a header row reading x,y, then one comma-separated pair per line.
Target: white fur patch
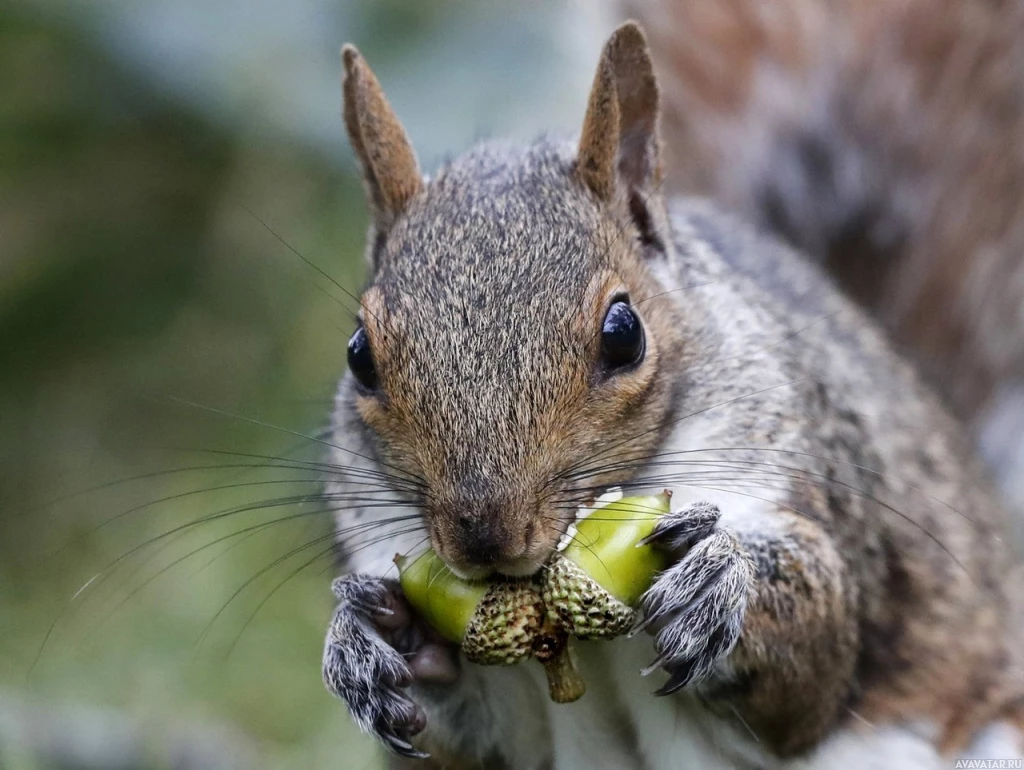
x,y
869,747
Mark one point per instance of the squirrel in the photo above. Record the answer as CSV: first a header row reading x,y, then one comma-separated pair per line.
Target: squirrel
x,y
542,323
882,139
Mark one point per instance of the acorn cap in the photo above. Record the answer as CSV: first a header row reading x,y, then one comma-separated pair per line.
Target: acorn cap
x,y
505,624
581,605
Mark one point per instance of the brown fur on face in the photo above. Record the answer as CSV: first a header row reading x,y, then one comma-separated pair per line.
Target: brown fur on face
x,y
484,317
487,400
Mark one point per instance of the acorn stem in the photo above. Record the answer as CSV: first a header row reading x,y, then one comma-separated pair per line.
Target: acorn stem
x,y
565,684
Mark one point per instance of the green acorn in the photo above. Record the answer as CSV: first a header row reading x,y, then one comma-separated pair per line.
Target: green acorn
x,y
495,623
588,591
592,587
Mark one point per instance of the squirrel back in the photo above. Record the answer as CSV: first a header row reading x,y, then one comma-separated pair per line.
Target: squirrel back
x,y
884,140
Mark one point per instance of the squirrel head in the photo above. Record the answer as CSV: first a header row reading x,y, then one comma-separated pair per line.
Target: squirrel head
x,y
511,333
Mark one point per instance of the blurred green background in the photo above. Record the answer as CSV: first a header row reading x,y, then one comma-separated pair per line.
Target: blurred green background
x,y
159,162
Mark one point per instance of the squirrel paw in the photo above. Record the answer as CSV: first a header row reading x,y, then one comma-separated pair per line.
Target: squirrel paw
x,y
695,608
370,639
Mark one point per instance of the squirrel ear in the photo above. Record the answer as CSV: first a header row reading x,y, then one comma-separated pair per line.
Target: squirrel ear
x,y
390,169
620,131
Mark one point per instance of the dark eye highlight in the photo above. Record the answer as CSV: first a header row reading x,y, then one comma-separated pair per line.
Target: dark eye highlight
x,y
622,337
360,360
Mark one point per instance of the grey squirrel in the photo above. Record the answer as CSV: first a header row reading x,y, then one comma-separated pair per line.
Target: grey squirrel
x,y
543,323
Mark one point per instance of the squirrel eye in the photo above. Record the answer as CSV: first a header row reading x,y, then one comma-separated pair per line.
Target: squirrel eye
x,y
622,337
360,359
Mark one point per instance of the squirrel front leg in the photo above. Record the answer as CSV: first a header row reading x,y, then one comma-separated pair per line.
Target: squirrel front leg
x,y
405,686
757,620
371,654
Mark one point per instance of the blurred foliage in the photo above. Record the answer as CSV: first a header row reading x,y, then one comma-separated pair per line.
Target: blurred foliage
x,y
135,268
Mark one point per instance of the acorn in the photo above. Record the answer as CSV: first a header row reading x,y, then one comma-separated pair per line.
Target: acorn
x,y
496,623
589,590
591,587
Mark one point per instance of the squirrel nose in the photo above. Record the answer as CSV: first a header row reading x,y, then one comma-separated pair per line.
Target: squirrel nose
x,y
480,540
489,540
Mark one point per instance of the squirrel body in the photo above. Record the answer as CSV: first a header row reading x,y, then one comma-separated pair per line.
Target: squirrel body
x,y
851,600
883,141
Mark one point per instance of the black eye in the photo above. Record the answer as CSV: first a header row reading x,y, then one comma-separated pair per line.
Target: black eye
x,y
360,360
622,337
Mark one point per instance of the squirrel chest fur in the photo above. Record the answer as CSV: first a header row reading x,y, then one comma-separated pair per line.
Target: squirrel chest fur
x,y
541,325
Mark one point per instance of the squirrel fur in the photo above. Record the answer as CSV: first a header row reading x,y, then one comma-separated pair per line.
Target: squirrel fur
x,y
882,139
853,599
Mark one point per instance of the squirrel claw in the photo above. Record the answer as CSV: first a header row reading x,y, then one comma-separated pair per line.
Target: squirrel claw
x,y
678,680
679,530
